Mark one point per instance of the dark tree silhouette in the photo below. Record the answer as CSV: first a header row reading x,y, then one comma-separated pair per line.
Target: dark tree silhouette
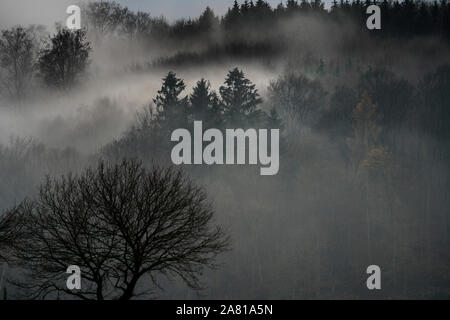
x,y
400,18
239,98
17,58
204,104
171,108
208,21
103,17
232,17
123,225
64,61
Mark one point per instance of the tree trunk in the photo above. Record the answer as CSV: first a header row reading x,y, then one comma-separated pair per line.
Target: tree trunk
x,y
129,292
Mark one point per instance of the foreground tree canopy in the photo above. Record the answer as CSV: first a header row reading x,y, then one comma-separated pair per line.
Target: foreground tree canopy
x,y
123,225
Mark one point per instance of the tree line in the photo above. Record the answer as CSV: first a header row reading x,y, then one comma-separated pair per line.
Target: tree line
x,y
400,18
60,60
236,105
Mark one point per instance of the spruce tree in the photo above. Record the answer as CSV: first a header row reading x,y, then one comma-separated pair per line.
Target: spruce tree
x,y
204,104
170,106
239,98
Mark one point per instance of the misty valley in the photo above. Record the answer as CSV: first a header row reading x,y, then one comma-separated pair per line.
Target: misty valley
x,y
257,150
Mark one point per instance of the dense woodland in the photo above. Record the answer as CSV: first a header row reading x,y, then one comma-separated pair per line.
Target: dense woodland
x,y
365,134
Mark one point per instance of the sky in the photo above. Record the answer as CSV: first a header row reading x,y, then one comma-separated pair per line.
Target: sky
x,y
47,12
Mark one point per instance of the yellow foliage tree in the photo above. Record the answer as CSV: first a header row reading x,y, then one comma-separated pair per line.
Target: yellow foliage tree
x,y
366,131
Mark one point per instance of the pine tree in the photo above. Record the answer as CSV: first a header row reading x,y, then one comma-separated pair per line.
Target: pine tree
x,y
280,9
208,20
232,17
170,106
245,7
292,5
204,104
239,98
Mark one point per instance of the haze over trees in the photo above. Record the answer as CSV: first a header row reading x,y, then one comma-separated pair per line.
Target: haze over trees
x,y
17,56
364,173
65,59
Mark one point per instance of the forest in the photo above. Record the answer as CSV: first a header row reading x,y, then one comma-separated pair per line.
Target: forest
x,y
86,176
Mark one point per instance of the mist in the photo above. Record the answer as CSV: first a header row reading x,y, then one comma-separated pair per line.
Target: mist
x,y
341,201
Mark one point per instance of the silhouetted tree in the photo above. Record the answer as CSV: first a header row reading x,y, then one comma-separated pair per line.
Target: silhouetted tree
x,y
120,224
128,22
208,21
65,59
232,17
404,18
239,98
204,104
171,108
17,59
103,17
292,5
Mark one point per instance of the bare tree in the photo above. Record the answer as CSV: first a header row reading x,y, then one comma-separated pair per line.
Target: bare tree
x,y
17,58
120,224
10,231
103,17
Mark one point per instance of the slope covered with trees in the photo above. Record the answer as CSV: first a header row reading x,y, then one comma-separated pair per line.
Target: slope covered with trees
x,y
364,151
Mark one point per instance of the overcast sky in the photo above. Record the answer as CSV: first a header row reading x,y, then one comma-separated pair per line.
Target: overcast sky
x,y
47,12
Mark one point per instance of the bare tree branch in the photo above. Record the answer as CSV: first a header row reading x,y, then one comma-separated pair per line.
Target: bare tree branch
x,y
118,223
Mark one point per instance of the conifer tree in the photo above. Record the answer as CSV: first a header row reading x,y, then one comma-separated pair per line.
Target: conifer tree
x,y
170,106
239,98
204,104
